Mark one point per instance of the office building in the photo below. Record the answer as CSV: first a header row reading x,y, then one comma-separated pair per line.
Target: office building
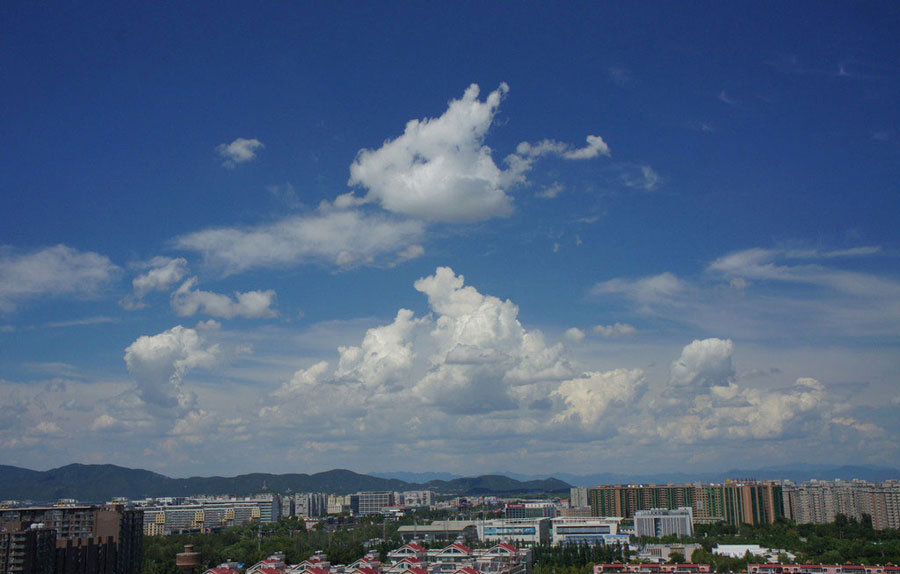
x,y
518,531
659,522
364,503
583,530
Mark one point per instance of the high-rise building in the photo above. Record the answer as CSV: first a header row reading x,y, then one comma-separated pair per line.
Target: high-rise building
x,y
29,550
736,503
85,539
817,502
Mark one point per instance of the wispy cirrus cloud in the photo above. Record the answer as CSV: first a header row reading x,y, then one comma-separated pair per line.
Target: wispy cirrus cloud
x,y
345,238
778,291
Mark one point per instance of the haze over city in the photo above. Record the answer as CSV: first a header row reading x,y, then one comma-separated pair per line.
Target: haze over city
x,y
460,238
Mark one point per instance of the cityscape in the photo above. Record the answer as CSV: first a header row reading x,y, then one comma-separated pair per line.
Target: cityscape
x,y
645,528
450,287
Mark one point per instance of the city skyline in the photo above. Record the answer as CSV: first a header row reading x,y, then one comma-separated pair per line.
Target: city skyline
x,y
455,238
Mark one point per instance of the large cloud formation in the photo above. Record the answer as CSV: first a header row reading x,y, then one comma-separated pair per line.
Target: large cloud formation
x,y
470,373
471,357
441,170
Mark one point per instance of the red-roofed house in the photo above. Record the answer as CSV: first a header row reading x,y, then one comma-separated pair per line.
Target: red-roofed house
x,y
413,549
453,554
407,563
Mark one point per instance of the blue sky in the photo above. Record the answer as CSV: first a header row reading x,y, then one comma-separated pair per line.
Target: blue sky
x,y
458,237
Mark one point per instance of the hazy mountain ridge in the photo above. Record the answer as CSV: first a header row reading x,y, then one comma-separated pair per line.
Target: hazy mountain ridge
x,y
102,482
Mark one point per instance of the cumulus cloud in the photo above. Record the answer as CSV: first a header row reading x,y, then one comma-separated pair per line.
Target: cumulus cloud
x,y
703,364
471,356
58,271
239,151
159,363
735,412
615,331
188,301
330,236
590,396
439,169
161,274
708,402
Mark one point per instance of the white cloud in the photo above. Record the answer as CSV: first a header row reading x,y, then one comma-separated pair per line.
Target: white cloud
x,y
239,151
48,428
770,265
757,292
575,335
665,288
707,403
440,169
733,412
643,177
615,331
330,236
595,147
590,396
703,364
472,356
159,363
552,191
58,271
163,272
107,423
188,301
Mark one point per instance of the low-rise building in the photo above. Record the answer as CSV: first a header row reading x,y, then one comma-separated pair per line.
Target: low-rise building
x,y
518,531
651,568
570,530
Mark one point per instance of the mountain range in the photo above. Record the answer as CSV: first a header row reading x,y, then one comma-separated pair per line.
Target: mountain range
x,y
101,482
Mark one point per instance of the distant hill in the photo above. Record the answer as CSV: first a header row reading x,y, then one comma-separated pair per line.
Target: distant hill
x,y
416,477
98,483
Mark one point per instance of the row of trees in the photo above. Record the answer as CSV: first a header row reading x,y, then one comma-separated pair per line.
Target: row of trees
x,y
343,542
845,540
